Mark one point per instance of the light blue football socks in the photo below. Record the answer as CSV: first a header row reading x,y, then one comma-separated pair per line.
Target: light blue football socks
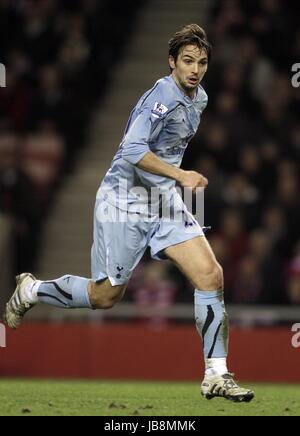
x,y
212,325
69,292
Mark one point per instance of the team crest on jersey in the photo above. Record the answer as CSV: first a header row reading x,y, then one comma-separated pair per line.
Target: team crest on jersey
x,y
159,110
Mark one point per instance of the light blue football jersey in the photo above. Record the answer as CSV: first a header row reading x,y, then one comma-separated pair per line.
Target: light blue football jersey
x,y
164,121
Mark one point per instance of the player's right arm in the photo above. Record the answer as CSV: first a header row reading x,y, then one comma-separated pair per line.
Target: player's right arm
x,y
187,179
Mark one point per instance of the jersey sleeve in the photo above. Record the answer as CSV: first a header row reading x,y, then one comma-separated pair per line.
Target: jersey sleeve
x,y
146,126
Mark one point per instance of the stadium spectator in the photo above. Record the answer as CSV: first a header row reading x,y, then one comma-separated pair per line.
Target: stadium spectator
x,y
16,188
293,277
157,293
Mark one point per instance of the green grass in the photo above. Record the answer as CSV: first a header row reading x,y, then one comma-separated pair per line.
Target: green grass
x,y
36,398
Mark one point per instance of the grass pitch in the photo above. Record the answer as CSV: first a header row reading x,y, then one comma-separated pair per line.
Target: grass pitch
x,y
94,398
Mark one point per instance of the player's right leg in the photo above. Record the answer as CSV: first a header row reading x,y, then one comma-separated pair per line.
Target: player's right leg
x,y
68,292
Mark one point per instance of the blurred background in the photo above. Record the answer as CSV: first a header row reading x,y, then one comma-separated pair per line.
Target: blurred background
x,y
74,70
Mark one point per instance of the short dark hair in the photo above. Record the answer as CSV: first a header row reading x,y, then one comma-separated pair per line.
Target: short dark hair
x,y
191,34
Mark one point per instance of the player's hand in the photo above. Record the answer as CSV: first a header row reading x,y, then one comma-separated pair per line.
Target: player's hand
x,y
193,180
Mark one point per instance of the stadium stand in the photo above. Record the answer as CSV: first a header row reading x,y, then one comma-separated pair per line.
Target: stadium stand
x,y
70,62
59,56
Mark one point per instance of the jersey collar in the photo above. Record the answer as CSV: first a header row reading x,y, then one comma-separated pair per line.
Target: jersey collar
x,y
183,97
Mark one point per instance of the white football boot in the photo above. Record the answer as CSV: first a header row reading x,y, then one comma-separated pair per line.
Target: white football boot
x,y
19,303
224,386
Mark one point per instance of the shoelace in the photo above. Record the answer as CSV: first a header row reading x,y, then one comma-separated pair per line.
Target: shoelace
x,y
230,382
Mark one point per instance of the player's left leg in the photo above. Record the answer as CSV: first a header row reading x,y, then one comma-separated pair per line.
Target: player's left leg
x,y
197,261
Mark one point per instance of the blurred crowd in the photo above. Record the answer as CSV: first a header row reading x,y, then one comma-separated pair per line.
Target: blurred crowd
x,y
58,55
249,147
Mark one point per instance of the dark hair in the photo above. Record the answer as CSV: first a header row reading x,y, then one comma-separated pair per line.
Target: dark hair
x,y
192,34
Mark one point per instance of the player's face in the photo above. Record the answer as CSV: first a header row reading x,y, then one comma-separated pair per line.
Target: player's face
x,y
190,68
